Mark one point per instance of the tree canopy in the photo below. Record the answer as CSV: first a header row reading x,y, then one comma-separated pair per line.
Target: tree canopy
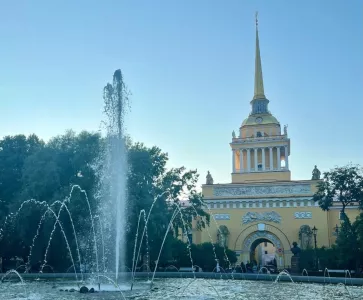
x,y
342,185
46,172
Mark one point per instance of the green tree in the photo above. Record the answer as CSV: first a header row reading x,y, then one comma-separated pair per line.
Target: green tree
x,y
342,185
14,150
148,180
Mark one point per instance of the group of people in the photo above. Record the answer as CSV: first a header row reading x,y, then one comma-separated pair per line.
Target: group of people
x,y
249,267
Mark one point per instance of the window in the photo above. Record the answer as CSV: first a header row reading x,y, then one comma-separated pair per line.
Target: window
x,y
265,252
259,134
266,245
259,166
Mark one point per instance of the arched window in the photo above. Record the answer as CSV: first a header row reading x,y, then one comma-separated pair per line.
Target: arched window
x,y
259,134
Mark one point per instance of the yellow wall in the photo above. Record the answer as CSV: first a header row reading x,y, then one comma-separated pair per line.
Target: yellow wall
x,y
261,177
287,231
249,131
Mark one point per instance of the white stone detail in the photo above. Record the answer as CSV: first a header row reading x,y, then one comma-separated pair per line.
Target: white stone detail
x,y
303,215
222,217
265,216
261,227
262,190
261,235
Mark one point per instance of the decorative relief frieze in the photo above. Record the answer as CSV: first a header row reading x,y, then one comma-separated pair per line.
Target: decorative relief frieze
x,y
265,216
303,215
222,217
262,190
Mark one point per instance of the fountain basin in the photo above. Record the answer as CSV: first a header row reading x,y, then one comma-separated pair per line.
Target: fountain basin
x,y
187,288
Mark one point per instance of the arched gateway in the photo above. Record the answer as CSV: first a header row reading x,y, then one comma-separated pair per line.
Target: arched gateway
x,y
253,235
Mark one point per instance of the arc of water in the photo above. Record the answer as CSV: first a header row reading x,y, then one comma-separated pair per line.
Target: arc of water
x,y
175,213
50,239
346,288
212,242
63,205
307,274
103,244
114,283
162,244
49,267
189,244
147,250
21,266
210,236
348,273
143,234
283,273
92,224
13,215
136,237
217,225
33,241
201,279
326,271
171,267
49,209
12,272
267,272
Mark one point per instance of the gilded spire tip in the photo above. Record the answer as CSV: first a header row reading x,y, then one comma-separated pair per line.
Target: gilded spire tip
x,y
259,90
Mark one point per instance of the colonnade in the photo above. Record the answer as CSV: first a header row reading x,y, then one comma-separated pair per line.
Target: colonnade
x,y
246,160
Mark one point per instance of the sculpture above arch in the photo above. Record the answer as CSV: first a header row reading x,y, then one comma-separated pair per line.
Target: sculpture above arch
x,y
265,216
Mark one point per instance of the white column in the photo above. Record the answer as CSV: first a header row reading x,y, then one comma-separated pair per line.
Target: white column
x,y
233,161
255,155
263,159
248,160
241,160
271,160
278,159
286,158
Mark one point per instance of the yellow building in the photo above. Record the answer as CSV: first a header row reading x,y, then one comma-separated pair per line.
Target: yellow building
x,y
262,204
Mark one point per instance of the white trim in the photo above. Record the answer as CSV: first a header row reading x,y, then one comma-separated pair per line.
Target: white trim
x,y
347,207
253,140
258,203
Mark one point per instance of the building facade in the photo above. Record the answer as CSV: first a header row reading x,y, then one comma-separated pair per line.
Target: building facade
x,y
262,204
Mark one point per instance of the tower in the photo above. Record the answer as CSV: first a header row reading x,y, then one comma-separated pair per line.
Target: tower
x,y
261,151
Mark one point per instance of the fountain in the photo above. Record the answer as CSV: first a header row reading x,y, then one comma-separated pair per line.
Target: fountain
x,y
114,176
108,232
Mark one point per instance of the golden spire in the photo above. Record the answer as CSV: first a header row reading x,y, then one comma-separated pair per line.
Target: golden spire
x,y
259,91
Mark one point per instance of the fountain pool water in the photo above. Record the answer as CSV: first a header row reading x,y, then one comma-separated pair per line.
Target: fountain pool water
x,y
178,288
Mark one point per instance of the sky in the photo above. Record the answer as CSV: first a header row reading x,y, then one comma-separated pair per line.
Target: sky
x,y
190,67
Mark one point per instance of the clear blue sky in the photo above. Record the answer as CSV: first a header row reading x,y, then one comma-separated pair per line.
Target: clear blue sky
x,y
189,65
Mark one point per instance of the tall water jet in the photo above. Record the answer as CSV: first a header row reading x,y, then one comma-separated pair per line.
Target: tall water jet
x,y
114,177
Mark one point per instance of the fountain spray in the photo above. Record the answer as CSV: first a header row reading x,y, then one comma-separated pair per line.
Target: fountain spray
x,y
115,164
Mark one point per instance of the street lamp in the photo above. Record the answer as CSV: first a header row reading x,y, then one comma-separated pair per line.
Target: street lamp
x,y
315,231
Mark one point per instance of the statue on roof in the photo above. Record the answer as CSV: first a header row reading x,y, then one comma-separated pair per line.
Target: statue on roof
x,y
209,178
233,134
316,174
285,130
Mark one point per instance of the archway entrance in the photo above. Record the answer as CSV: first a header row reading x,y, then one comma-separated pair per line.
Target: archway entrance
x,y
259,241
254,234
263,252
